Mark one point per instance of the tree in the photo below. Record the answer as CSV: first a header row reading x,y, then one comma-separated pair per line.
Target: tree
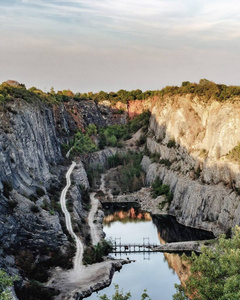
x,y
215,274
5,282
119,295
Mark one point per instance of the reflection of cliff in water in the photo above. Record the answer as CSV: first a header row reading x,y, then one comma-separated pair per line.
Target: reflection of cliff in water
x,y
171,231
124,213
178,265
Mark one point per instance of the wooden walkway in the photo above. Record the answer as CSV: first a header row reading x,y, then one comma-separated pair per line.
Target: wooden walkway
x,y
132,248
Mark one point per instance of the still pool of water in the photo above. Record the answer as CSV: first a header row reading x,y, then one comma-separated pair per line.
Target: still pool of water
x,y
156,272
150,271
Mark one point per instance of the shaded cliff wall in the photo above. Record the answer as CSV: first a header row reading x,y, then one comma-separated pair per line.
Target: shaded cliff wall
x,y
32,175
191,139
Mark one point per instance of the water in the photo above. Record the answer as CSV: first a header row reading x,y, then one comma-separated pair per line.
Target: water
x,y
157,272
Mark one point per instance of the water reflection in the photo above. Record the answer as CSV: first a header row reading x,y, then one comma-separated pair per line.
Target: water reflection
x,y
157,272
170,231
124,214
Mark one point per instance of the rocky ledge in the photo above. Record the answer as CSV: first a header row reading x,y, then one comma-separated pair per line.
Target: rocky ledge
x,y
177,247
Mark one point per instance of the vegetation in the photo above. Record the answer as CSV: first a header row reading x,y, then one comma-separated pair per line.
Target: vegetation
x,y
111,135
205,89
215,274
171,143
234,154
81,143
5,283
158,189
120,295
7,188
130,176
96,253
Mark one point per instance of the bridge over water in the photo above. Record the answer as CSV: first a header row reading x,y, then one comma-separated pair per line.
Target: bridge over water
x,y
143,247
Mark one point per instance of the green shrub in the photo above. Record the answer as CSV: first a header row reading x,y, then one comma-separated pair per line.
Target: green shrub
x,y
171,143
5,282
34,208
234,154
142,140
165,162
40,192
7,188
130,176
141,121
96,253
158,189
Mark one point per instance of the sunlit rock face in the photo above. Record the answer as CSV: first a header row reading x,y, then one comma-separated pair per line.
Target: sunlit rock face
x,y
192,139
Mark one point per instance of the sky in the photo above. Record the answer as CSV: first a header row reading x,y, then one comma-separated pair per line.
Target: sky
x,y
93,45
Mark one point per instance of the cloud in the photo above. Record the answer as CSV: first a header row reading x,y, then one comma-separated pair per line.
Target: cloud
x,y
126,17
121,43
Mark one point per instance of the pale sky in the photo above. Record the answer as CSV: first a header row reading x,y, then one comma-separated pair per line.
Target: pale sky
x,y
93,45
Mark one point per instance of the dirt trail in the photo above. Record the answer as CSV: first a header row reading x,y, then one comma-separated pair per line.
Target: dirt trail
x,y
93,229
79,245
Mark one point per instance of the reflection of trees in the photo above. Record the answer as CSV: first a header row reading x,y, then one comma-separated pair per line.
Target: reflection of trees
x,y
131,215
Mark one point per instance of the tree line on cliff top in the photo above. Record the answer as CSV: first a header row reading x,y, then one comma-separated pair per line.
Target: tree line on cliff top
x,y
205,89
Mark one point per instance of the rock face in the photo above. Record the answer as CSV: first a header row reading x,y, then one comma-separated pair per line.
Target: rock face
x,y
190,140
32,175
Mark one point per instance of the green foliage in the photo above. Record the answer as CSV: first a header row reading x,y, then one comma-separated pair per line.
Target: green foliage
x,y
7,188
171,143
215,274
142,140
5,282
40,192
110,135
94,173
9,91
96,253
34,290
130,176
234,154
197,172
141,121
34,208
91,130
158,189
206,90
120,295
82,143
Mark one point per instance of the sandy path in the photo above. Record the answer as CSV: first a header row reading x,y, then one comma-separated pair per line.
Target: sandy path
x,y
93,229
79,245
103,187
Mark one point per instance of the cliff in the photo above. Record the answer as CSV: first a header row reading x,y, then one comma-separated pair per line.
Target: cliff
x,y
191,139
32,175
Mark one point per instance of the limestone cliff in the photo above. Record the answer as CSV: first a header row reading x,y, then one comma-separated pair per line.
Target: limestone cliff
x,y
192,139
32,175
